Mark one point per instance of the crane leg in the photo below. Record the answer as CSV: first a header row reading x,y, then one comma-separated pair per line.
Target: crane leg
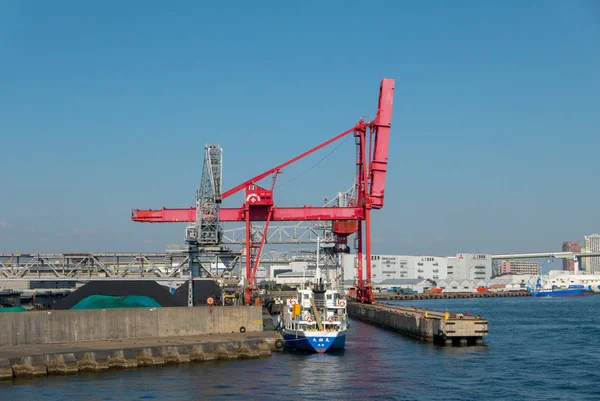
x,y
247,288
368,288
359,263
260,249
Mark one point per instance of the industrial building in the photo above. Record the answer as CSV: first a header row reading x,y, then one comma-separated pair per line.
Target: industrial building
x,y
416,285
294,279
293,274
388,267
460,267
518,267
592,244
469,266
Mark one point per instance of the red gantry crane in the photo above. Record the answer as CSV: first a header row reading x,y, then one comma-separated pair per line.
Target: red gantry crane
x,y
372,146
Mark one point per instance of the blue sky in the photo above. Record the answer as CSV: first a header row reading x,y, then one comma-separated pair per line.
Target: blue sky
x,y
106,107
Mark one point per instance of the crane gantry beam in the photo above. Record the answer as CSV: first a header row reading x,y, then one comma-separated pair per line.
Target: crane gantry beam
x,y
306,213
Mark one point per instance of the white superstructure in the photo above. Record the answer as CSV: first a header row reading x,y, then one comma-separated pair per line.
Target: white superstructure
x,y
562,279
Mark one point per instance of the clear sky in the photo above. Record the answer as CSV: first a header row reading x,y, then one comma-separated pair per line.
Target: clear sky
x,y
105,106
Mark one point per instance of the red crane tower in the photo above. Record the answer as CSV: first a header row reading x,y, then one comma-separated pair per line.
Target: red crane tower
x,y
372,146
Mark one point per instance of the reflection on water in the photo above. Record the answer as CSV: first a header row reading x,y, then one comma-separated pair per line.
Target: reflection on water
x,y
537,349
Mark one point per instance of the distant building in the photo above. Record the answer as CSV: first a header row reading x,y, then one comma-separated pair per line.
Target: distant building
x,y
275,271
592,245
571,246
262,274
518,267
414,284
457,286
469,266
390,267
430,267
294,279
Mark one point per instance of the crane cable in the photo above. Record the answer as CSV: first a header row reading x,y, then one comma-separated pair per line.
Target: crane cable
x,y
314,165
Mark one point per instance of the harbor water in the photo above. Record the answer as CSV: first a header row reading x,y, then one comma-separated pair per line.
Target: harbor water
x,y
537,349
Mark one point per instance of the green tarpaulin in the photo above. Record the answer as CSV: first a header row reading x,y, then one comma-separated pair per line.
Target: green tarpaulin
x,y
110,302
13,309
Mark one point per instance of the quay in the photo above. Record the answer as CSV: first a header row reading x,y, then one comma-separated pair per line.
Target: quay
x,y
44,343
449,295
444,328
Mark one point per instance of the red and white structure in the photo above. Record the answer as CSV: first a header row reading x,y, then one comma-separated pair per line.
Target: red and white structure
x,y
372,145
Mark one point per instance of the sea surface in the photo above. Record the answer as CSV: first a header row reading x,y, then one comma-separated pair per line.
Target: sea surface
x,y
537,349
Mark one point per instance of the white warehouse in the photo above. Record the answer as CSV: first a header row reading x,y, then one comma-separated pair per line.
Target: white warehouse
x,y
386,267
469,266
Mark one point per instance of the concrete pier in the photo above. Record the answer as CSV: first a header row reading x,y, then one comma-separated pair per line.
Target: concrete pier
x,y
435,326
70,341
70,326
97,356
450,295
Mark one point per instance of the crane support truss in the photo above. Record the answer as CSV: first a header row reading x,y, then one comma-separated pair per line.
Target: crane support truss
x,y
126,265
165,266
296,234
86,265
50,266
208,197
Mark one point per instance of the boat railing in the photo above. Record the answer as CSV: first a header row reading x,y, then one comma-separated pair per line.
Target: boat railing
x,y
311,319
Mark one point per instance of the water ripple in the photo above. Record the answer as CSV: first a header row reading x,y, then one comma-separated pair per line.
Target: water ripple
x,y
537,350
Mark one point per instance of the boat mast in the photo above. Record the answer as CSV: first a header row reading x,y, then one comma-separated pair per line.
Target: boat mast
x,y
318,270
303,276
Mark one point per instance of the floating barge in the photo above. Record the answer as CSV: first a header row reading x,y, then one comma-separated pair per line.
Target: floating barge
x,y
443,328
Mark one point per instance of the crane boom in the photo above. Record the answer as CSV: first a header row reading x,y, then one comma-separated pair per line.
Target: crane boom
x,y
281,166
381,127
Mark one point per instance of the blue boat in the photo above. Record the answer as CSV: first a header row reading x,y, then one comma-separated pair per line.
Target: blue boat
x,y
315,341
551,291
315,321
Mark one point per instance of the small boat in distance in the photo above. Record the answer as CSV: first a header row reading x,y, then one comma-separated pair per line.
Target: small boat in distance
x,y
551,291
548,290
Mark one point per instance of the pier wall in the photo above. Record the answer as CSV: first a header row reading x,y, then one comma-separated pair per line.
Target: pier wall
x,y
436,326
48,327
96,356
408,324
450,295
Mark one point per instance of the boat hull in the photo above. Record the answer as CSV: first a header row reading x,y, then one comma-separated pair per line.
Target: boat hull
x,y
314,341
570,292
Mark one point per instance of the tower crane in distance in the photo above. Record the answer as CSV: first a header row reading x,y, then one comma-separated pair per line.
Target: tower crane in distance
x,y
372,148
